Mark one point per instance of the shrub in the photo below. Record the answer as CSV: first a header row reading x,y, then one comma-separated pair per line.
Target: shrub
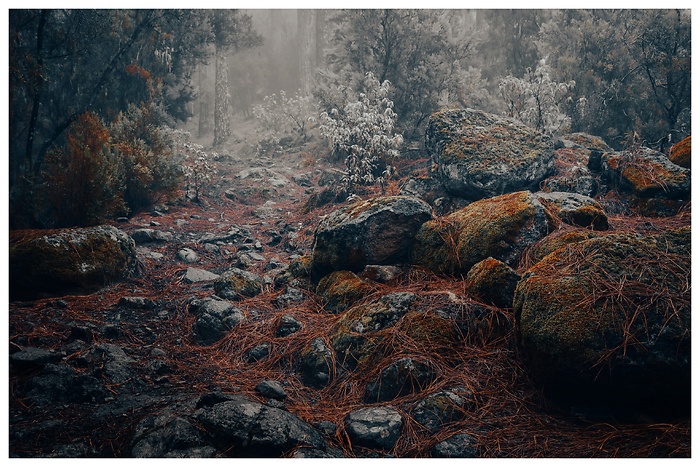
x,y
145,148
196,168
282,121
84,181
363,132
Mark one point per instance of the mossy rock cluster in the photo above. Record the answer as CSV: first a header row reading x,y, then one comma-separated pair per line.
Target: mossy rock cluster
x,y
376,231
493,282
500,227
479,155
557,240
47,263
607,320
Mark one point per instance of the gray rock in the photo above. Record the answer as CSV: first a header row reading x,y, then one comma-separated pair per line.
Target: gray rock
x,y
479,155
442,407
138,303
317,362
575,209
249,429
461,445
169,435
116,363
377,231
215,317
235,284
141,236
374,427
257,353
33,357
271,389
380,273
290,296
59,384
188,255
288,325
400,378
194,275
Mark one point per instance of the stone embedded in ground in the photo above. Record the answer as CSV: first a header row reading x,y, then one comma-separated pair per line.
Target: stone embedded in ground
x,y
501,227
258,353
271,389
290,296
61,384
441,408
492,282
461,445
594,328
402,377
194,275
340,289
680,153
138,303
168,435
244,428
381,273
32,358
188,255
317,364
376,231
141,236
352,333
575,209
235,284
479,155
374,427
68,260
214,318
287,326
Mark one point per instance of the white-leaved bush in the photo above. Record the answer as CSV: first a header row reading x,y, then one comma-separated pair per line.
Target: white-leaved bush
x,y
363,131
197,169
282,121
535,99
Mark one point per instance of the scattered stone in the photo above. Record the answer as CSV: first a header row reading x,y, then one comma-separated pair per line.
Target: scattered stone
x,y
235,284
377,231
493,282
211,248
141,236
461,445
194,275
478,155
402,377
442,407
288,325
32,358
374,427
60,384
271,389
215,317
258,353
188,255
138,303
144,252
116,364
290,296
168,435
317,364
381,273
245,428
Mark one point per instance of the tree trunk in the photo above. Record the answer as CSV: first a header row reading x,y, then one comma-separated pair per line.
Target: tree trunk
x,y
222,124
307,49
204,101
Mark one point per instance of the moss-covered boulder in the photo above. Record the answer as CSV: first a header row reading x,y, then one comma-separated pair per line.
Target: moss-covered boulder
x,y
575,209
59,262
493,282
557,240
646,173
500,227
479,155
376,231
607,320
236,284
340,289
680,153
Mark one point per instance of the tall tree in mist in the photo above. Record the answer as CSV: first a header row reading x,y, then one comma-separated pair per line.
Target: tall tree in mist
x,y
307,49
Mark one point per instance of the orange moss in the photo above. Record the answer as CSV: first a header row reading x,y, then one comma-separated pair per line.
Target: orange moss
x,y
680,153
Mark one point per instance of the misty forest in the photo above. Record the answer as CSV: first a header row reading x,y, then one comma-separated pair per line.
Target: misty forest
x,y
349,233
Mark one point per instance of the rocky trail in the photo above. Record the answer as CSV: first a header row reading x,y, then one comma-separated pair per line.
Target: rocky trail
x,y
230,340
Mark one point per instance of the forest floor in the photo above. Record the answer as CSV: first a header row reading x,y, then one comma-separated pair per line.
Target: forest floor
x,y
512,419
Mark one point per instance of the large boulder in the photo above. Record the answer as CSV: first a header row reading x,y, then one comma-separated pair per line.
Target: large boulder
x,y
377,231
607,320
500,227
478,155
68,260
646,173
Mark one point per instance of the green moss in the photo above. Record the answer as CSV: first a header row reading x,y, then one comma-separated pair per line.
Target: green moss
x,y
340,289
